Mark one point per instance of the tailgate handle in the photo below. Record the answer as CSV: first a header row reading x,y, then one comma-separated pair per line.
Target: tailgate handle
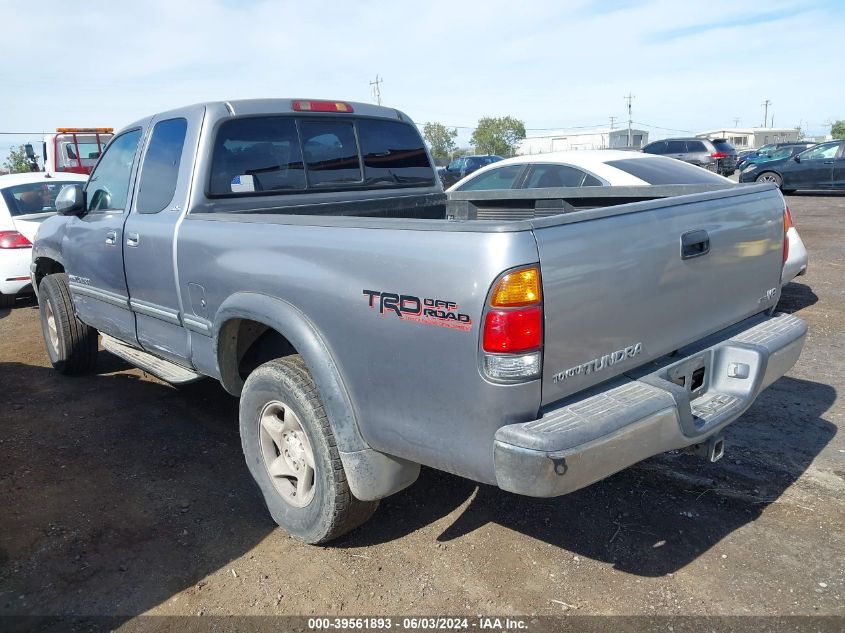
x,y
694,244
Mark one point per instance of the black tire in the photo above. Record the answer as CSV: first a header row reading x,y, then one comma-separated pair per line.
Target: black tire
x,y
72,347
7,301
769,176
332,510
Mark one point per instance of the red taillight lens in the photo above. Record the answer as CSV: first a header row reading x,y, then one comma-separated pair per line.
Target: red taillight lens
x,y
322,106
512,331
787,224
13,239
718,155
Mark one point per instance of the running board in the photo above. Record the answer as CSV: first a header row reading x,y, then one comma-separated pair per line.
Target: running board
x,y
164,369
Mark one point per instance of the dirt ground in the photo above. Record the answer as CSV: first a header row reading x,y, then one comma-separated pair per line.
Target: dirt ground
x,y
121,495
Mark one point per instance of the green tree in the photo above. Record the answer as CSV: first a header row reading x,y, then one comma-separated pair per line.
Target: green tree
x,y
498,135
441,140
17,161
837,130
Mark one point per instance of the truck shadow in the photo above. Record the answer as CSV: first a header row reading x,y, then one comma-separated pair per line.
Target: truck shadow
x,y
653,518
796,296
117,492
120,493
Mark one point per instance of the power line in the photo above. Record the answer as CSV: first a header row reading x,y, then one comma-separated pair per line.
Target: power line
x,y
668,129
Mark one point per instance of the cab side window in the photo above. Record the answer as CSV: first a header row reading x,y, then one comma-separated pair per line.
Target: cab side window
x,y
108,187
160,170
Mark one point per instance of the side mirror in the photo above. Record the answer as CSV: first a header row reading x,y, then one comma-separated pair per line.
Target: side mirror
x,y
797,158
71,201
30,153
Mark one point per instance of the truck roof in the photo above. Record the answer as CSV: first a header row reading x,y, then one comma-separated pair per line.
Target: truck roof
x,y
246,107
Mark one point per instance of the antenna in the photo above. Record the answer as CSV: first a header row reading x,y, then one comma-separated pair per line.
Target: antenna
x,y
377,89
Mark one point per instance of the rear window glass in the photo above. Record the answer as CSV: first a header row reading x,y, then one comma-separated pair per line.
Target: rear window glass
x,y
256,154
35,197
331,152
86,150
660,171
285,154
723,146
393,154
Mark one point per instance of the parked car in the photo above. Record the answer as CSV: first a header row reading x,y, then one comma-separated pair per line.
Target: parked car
x,y
777,153
461,167
585,168
303,254
743,155
26,200
609,168
714,154
820,167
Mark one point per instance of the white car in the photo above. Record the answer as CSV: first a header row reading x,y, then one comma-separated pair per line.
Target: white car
x,y
26,200
605,168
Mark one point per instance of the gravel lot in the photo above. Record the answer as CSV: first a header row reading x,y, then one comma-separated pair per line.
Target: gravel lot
x,y
121,495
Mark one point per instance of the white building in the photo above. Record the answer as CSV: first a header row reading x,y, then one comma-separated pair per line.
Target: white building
x,y
600,138
753,137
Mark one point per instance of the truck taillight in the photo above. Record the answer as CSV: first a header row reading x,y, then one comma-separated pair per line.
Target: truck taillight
x,y
13,239
787,224
512,337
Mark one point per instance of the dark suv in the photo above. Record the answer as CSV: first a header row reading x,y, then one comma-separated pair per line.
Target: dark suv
x,y
714,154
464,166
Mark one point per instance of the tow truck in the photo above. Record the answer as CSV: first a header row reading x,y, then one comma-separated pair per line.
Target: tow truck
x,y
75,149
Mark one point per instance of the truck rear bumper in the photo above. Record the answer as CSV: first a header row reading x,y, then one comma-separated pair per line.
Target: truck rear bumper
x,y
677,402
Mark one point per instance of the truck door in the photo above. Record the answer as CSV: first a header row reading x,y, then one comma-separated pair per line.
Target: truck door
x,y
94,259
164,180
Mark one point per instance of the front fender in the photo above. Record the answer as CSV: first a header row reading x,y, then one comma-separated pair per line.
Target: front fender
x,y
371,474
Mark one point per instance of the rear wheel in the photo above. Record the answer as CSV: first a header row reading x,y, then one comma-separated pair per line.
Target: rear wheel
x,y
71,345
769,176
292,454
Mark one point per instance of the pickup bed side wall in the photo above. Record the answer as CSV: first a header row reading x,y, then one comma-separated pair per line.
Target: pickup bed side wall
x,y
414,387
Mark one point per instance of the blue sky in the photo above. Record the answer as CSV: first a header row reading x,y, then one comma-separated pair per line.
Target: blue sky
x,y
692,66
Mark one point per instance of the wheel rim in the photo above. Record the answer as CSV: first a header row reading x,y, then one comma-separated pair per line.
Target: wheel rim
x,y
288,456
768,178
52,332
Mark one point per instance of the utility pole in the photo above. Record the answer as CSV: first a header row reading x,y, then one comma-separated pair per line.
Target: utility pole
x,y
629,98
766,105
736,121
377,89
612,121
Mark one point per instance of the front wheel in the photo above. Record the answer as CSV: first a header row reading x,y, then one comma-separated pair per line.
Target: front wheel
x,y
769,176
71,345
292,454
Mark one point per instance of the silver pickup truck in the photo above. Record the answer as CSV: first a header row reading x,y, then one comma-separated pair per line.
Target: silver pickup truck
x,y
303,254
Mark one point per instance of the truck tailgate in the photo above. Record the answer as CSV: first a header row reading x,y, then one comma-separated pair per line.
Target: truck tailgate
x,y
621,288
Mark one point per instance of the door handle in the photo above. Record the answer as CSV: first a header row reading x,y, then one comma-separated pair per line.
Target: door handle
x,y
695,244
132,239
828,162
111,238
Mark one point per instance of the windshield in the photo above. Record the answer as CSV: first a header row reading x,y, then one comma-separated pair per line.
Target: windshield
x,y
34,197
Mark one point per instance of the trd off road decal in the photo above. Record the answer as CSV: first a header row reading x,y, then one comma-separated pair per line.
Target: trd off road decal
x,y
410,308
